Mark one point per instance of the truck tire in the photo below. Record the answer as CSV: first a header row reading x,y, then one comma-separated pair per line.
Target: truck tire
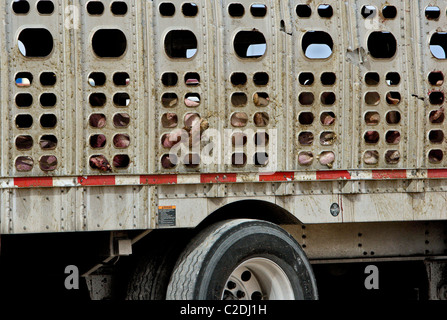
x,y
242,260
156,259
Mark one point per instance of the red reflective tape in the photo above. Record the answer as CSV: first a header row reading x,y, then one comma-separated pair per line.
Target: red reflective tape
x,y
333,175
277,176
389,174
97,181
33,182
213,178
437,173
159,179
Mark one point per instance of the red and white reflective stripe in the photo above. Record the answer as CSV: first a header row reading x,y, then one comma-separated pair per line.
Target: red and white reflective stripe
x,y
207,178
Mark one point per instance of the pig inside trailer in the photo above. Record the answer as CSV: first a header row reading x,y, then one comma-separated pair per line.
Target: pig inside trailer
x,y
198,150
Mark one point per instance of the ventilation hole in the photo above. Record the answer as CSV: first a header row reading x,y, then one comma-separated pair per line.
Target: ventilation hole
x,y
24,100
169,120
325,11
48,121
99,162
306,98
305,158
191,119
96,79
393,117
437,116
372,78
436,78
169,100
121,140
327,118
167,9
45,7
24,164
239,119
306,78
24,79
371,137
371,157
306,138
435,156
98,141
48,78
169,79
261,78
121,120
24,142
119,8
239,139
192,79
368,12
238,79
121,79
328,78
389,12
326,158
392,78
438,45
168,140
382,45
190,9
372,118
238,159
121,161
303,11
261,139
260,158
436,136
191,160
97,99
48,100
35,42
317,45
180,44
393,97
258,10
95,8
327,138
261,99
192,100
372,98
432,13
327,98
48,142
121,99
392,137
261,119
24,121
236,10
20,7
169,161
97,120
250,44
436,97
109,43
306,118
48,163
392,156
239,99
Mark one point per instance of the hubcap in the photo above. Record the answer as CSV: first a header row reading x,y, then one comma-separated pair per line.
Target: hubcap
x,y
258,279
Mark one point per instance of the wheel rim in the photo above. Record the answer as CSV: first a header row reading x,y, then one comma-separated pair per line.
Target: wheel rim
x,y
258,279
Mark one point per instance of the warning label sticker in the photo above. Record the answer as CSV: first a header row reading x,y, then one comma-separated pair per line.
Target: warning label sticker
x,y
166,216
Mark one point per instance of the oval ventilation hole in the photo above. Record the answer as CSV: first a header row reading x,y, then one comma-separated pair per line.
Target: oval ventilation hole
x,y
109,43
